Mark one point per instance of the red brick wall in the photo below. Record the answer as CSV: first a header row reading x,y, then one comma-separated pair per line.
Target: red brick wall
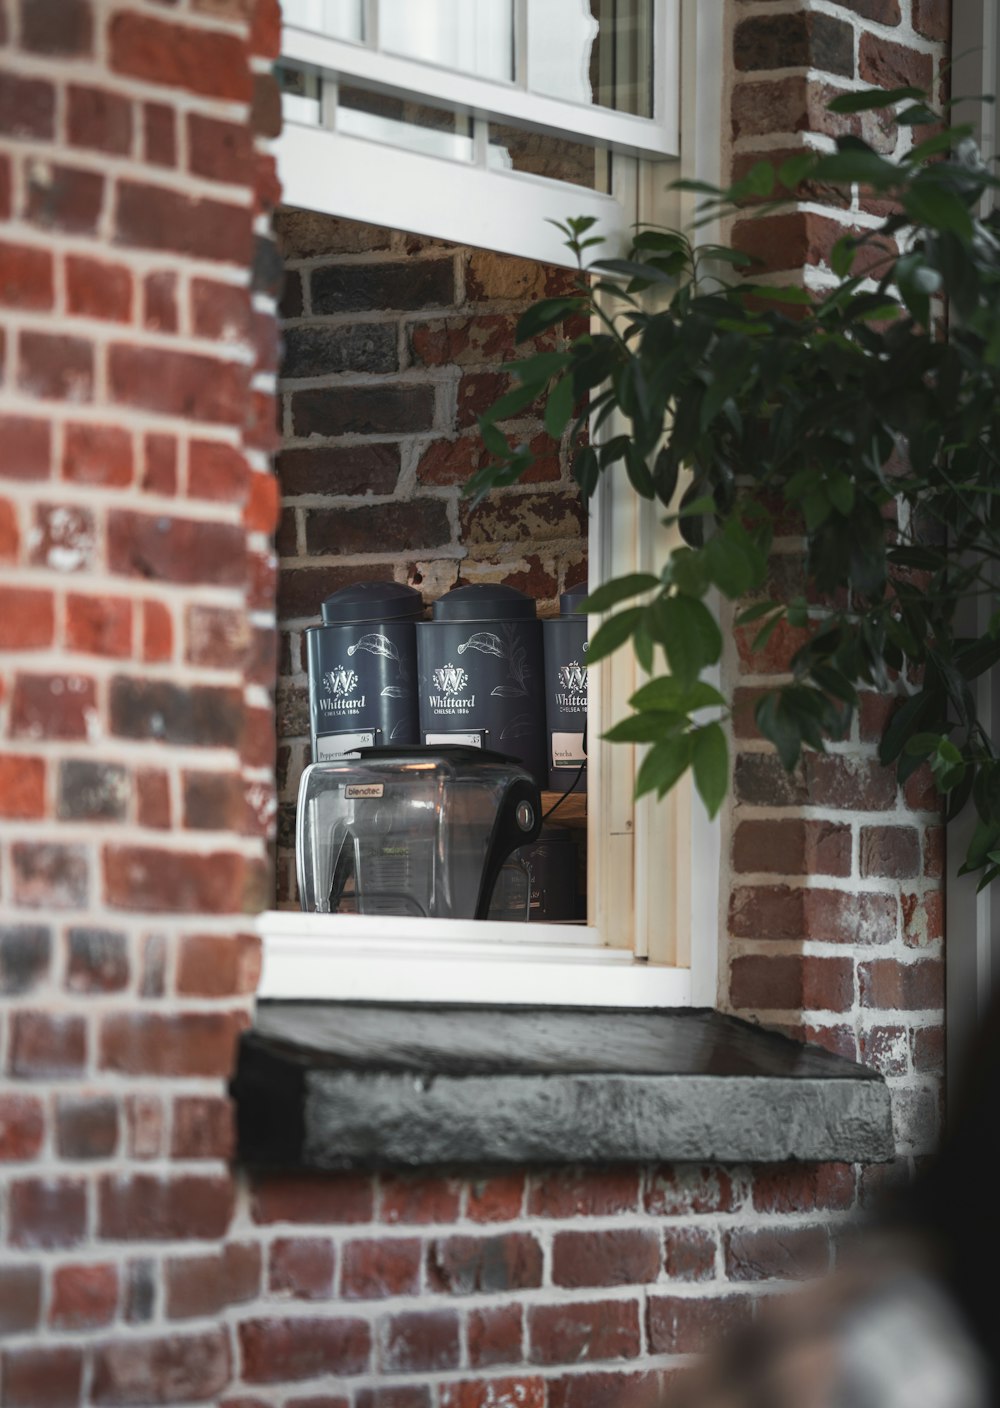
x,y
392,348
137,347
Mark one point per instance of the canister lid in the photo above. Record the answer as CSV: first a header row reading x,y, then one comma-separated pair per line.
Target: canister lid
x,y
484,602
570,602
372,601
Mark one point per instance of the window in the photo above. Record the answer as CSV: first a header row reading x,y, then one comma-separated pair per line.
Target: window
x,y
476,127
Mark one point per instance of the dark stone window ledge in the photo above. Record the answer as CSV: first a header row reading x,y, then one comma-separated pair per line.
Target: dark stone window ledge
x,y
326,1085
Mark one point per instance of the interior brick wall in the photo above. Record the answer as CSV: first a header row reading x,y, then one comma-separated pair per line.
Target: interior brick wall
x,y
393,345
137,503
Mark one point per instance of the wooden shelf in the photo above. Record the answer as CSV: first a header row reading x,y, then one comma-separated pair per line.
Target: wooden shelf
x,y
571,812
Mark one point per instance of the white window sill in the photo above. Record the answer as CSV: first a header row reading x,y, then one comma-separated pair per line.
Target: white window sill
x,y
359,958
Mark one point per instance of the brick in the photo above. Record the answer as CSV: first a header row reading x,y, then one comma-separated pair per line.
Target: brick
x,y
886,1048
689,1254
519,517
418,1198
159,301
288,1349
353,288
888,65
892,852
62,27
26,277
10,533
307,1198
27,107
418,1342
176,549
160,464
785,1188
22,787
99,625
152,787
792,983
494,1335
363,410
22,1128
25,951
404,526
218,965
144,1207
155,709
46,1046
792,847
86,1127
221,311
674,1190
151,217
622,1257
62,538
932,19
176,1044
492,277
184,1368
320,350
96,289
50,875
97,454
92,791
63,198
302,234
219,151
776,1253
583,1192
201,1286
98,119
204,61
791,241
52,1376
468,341
683,1325
463,1265
47,1213
884,983
260,513
139,1292
27,448
203,1128
495,1199
216,637
520,1392
83,1297
217,471
783,913
578,1332
881,11
795,41
157,632
144,1116
159,134
97,961
184,384
373,1269
928,1050
20,1298
301,1267
213,801
396,1396
55,367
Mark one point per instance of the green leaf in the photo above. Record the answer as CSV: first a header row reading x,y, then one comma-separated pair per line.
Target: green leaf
x,y
537,369
666,470
872,98
649,727
559,407
689,634
665,692
545,314
638,472
613,633
619,589
930,203
710,760
512,402
586,470
664,764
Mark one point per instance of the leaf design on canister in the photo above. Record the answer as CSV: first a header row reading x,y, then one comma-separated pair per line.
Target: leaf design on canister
x,y
518,727
517,657
399,727
507,691
394,691
486,643
375,644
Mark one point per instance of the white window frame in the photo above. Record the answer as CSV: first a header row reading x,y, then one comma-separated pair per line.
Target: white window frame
x,y
653,868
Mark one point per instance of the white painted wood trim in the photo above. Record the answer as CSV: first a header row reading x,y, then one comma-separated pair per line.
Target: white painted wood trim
x,y
485,98
351,958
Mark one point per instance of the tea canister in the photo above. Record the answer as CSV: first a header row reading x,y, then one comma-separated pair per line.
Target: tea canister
x,y
363,670
566,692
480,666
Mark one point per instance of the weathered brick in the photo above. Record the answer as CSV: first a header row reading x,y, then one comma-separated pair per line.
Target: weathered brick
x,y
26,277
353,288
498,1198
494,1335
588,1330
98,119
97,960
203,1127
517,517
190,1368
86,1126
52,1375
20,1298
96,289
205,61
363,410
784,1188
792,847
219,151
92,791
185,384
524,1391
83,1297
793,983
218,965
27,107
50,875
780,912
673,1190
932,19
309,1198
769,1253
22,1128
418,1341
63,538
885,983
685,1325
99,625
301,1267
285,1350
178,1044
22,787
402,526
320,350
689,1254
889,65
892,852
797,40
574,1192
97,454
203,715
463,1265
46,1046
144,1207
64,198
47,1212
25,952
418,1198
55,367
621,1257
151,217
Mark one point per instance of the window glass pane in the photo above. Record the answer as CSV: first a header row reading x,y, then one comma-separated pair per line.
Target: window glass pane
x,y
343,19
517,149
300,95
471,36
593,51
404,123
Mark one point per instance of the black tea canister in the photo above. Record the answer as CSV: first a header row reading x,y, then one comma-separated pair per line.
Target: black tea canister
x,y
480,666
363,670
566,692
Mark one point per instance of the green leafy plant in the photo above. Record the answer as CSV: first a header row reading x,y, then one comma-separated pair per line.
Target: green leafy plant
x,y
852,416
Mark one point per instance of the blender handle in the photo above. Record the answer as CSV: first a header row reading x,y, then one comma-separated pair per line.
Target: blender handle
x,y
508,834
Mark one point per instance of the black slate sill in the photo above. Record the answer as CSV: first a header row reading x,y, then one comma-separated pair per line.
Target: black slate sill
x,y
329,1085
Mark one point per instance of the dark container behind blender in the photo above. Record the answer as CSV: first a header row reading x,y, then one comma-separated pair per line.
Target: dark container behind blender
x,y
566,692
363,670
480,666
